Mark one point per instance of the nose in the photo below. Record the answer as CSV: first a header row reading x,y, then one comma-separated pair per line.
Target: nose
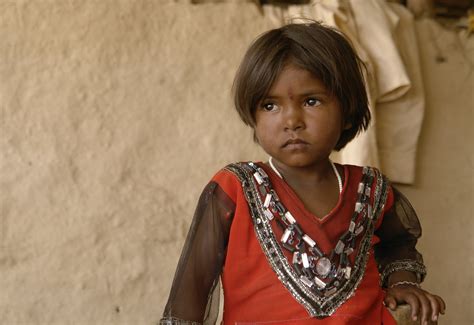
x,y
293,118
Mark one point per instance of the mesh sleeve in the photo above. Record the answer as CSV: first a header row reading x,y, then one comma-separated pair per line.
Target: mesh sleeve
x,y
398,233
194,296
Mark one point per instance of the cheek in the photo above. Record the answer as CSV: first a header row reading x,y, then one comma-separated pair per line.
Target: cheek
x,y
259,135
262,127
263,134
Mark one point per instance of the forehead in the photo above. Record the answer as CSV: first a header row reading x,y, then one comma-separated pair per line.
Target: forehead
x,y
294,80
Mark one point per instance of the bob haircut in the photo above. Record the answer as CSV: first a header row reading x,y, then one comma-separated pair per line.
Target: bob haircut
x,y
319,49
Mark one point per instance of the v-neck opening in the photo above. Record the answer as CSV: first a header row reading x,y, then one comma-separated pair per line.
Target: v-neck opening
x,y
300,204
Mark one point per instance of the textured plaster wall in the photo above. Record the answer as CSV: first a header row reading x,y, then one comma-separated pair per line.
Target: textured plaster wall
x,y
113,116
443,192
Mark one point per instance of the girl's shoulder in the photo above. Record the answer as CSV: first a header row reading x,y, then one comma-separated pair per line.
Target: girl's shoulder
x,y
357,167
227,178
355,171
378,181
379,184
231,171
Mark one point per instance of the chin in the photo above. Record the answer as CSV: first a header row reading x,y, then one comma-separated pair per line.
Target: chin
x,y
299,162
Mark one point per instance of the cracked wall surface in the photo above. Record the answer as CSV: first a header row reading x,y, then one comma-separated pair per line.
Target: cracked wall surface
x,y
115,114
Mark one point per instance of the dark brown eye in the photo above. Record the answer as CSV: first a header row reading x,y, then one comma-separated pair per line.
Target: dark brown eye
x,y
268,107
312,102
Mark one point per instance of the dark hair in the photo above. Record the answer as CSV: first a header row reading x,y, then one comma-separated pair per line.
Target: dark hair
x,y
319,49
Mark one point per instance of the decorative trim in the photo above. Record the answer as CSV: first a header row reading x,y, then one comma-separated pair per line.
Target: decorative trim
x,y
403,265
404,283
316,305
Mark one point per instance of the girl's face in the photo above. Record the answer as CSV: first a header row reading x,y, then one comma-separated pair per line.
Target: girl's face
x,y
299,122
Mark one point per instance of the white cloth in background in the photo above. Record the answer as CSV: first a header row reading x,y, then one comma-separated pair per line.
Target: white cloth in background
x,y
384,38
376,24
399,121
386,31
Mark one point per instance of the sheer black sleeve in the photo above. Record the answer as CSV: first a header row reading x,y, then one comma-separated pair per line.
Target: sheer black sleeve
x,y
194,295
398,233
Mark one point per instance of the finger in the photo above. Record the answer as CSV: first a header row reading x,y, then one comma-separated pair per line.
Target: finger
x,y
412,300
441,303
425,306
435,307
390,302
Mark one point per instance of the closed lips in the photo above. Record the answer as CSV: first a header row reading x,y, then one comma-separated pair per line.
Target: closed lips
x,y
294,141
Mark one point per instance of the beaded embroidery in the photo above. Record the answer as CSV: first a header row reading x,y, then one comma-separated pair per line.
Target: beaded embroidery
x,y
403,265
319,282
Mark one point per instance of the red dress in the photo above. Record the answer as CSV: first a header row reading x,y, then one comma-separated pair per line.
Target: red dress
x,y
253,293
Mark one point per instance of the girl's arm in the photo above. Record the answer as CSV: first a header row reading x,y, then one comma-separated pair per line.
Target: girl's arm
x,y
399,233
194,296
401,265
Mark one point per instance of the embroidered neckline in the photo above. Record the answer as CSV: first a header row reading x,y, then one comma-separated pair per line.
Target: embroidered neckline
x,y
323,273
321,288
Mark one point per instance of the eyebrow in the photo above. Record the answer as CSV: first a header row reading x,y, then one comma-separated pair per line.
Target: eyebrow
x,y
303,94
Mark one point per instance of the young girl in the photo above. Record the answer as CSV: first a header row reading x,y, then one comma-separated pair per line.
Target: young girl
x,y
299,239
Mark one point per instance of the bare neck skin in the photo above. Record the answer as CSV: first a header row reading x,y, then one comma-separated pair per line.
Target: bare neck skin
x,y
315,185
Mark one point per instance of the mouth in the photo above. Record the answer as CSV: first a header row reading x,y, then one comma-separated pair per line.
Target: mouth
x,y
295,143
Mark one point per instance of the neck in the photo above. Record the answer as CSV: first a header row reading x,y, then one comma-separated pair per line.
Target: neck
x,y
311,175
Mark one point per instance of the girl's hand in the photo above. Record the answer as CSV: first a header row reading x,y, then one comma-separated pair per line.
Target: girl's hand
x,y
424,305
